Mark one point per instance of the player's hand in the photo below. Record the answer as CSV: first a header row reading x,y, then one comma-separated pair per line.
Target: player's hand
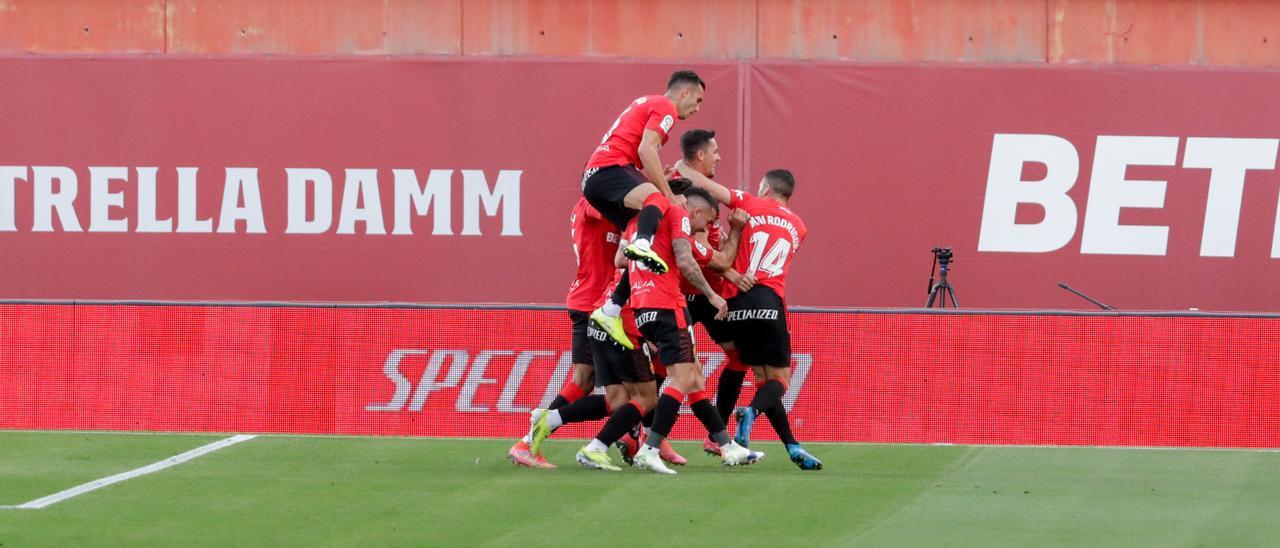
x,y
722,307
671,171
738,218
676,200
746,282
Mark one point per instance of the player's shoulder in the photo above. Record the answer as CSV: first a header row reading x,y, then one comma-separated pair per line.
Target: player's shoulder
x,y
677,217
795,219
660,103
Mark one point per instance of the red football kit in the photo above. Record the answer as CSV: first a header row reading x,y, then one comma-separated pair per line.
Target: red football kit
x,y
594,244
703,255
769,241
620,146
650,290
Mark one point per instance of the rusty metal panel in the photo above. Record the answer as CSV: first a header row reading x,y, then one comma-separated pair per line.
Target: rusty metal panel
x,y
313,26
1246,35
88,26
1206,32
903,30
537,27
1124,31
655,28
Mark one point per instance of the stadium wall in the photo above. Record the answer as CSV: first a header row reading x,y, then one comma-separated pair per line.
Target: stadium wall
x,y
1201,32
351,179
859,376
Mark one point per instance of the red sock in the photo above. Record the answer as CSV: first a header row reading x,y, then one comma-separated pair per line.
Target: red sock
x,y
697,396
572,392
671,391
658,200
732,362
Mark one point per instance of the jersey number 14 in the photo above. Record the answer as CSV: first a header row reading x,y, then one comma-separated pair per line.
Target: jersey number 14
x,y
773,262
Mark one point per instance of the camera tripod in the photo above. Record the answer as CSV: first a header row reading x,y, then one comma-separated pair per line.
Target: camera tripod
x,y
941,257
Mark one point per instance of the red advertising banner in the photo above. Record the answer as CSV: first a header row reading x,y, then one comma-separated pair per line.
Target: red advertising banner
x,y
858,377
1147,188
309,179
369,180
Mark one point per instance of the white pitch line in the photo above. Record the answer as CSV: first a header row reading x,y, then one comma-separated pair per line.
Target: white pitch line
x,y
154,467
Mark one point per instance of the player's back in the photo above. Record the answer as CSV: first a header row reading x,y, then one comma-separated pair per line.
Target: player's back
x,y
652,290
621,144
769,241
594,245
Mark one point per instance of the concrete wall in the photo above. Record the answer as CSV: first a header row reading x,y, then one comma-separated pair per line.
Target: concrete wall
x,y
1198,32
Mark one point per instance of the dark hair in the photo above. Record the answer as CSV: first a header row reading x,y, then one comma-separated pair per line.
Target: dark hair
x,y
693,140
679,185
699,192
685,77
781,181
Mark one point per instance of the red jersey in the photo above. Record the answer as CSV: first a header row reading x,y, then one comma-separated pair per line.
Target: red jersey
x,y
649,290
769,241
621,145
594,245
703,255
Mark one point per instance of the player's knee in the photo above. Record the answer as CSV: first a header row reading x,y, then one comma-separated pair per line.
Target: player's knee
x,y
658,200
636,198
683,383
646,401
584,376
778,373
697,383
616,395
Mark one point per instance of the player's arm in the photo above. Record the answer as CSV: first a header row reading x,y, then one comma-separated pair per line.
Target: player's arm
x,y
648,152
722,259
717,190
689,269
743,283
619,258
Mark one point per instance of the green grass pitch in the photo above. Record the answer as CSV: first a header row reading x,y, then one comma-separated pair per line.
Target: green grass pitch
x,y
344,491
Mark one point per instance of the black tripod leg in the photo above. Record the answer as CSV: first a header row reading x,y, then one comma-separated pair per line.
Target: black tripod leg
x,y
932,295
951,291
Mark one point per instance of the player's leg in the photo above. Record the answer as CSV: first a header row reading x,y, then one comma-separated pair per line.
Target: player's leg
x,y
776,412
608,317
729,382
618,193
584,373
582,383
602,352
771,361
652,205
547,421
665,451
760,343
729,377
670,330
628,374
728,388
595,455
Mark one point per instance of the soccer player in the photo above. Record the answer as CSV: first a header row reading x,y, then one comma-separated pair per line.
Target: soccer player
x,y
662,318
595,242
702,154
624,178
758,315
630,393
